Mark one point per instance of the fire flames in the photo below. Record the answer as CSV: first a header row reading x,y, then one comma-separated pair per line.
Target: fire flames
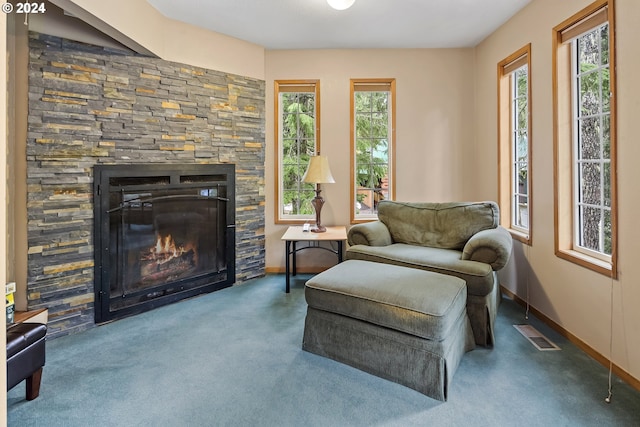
x,y
167,247
166,260
165,250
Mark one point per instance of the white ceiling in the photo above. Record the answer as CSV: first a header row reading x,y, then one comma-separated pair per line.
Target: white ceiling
x,y
312,24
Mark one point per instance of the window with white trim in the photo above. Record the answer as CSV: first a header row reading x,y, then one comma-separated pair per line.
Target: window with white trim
x,y
585,142
514,94
297,136
592,151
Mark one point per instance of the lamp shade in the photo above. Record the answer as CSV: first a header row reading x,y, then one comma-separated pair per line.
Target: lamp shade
x,y
341,4
318,171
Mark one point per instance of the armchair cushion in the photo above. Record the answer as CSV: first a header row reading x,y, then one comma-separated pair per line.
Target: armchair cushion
x,y
477,275
437,225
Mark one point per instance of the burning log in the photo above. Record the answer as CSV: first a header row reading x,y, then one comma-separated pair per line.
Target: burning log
x,y
165,260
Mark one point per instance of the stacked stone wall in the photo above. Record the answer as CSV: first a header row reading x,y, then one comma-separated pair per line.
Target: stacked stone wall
x,y
90,105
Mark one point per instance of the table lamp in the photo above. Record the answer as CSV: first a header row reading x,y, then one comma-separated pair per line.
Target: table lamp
x,y
318,173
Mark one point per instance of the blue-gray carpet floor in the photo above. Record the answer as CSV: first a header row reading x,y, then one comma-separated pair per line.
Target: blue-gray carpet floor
x,y
234,358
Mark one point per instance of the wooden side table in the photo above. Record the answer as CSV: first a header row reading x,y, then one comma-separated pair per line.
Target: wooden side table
x,y
294,234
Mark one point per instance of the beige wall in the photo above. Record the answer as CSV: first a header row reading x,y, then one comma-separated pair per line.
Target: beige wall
x,y
137,22
17,36
434,94
577,299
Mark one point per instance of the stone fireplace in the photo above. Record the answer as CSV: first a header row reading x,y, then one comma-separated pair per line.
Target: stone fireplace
x,y
94,109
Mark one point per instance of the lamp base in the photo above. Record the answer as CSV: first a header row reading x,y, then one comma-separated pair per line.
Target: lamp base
x,y
317,203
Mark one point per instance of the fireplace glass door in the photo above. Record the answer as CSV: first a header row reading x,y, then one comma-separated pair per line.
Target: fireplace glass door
x,y
164,233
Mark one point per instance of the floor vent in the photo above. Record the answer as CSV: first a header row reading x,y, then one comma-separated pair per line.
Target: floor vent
x,y
540,342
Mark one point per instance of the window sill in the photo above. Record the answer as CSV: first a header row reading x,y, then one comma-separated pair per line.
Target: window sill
x,y
520,236
361,220
293,221
595,264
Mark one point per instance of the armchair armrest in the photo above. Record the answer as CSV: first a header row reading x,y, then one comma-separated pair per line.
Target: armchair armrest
x,y
492,247
369,233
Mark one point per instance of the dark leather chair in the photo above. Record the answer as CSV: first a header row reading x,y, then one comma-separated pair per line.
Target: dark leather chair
x,y
26,356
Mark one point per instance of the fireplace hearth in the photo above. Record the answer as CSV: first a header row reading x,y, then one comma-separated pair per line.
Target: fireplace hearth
x,y
163,233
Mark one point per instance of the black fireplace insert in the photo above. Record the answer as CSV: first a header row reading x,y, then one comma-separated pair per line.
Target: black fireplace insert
x,y
162,233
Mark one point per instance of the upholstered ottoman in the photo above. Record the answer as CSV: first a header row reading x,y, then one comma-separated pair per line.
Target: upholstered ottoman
x,y
406,325
26,356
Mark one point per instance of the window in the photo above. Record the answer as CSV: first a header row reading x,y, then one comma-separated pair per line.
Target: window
x,y
297,136
372,145
514,116
585,142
